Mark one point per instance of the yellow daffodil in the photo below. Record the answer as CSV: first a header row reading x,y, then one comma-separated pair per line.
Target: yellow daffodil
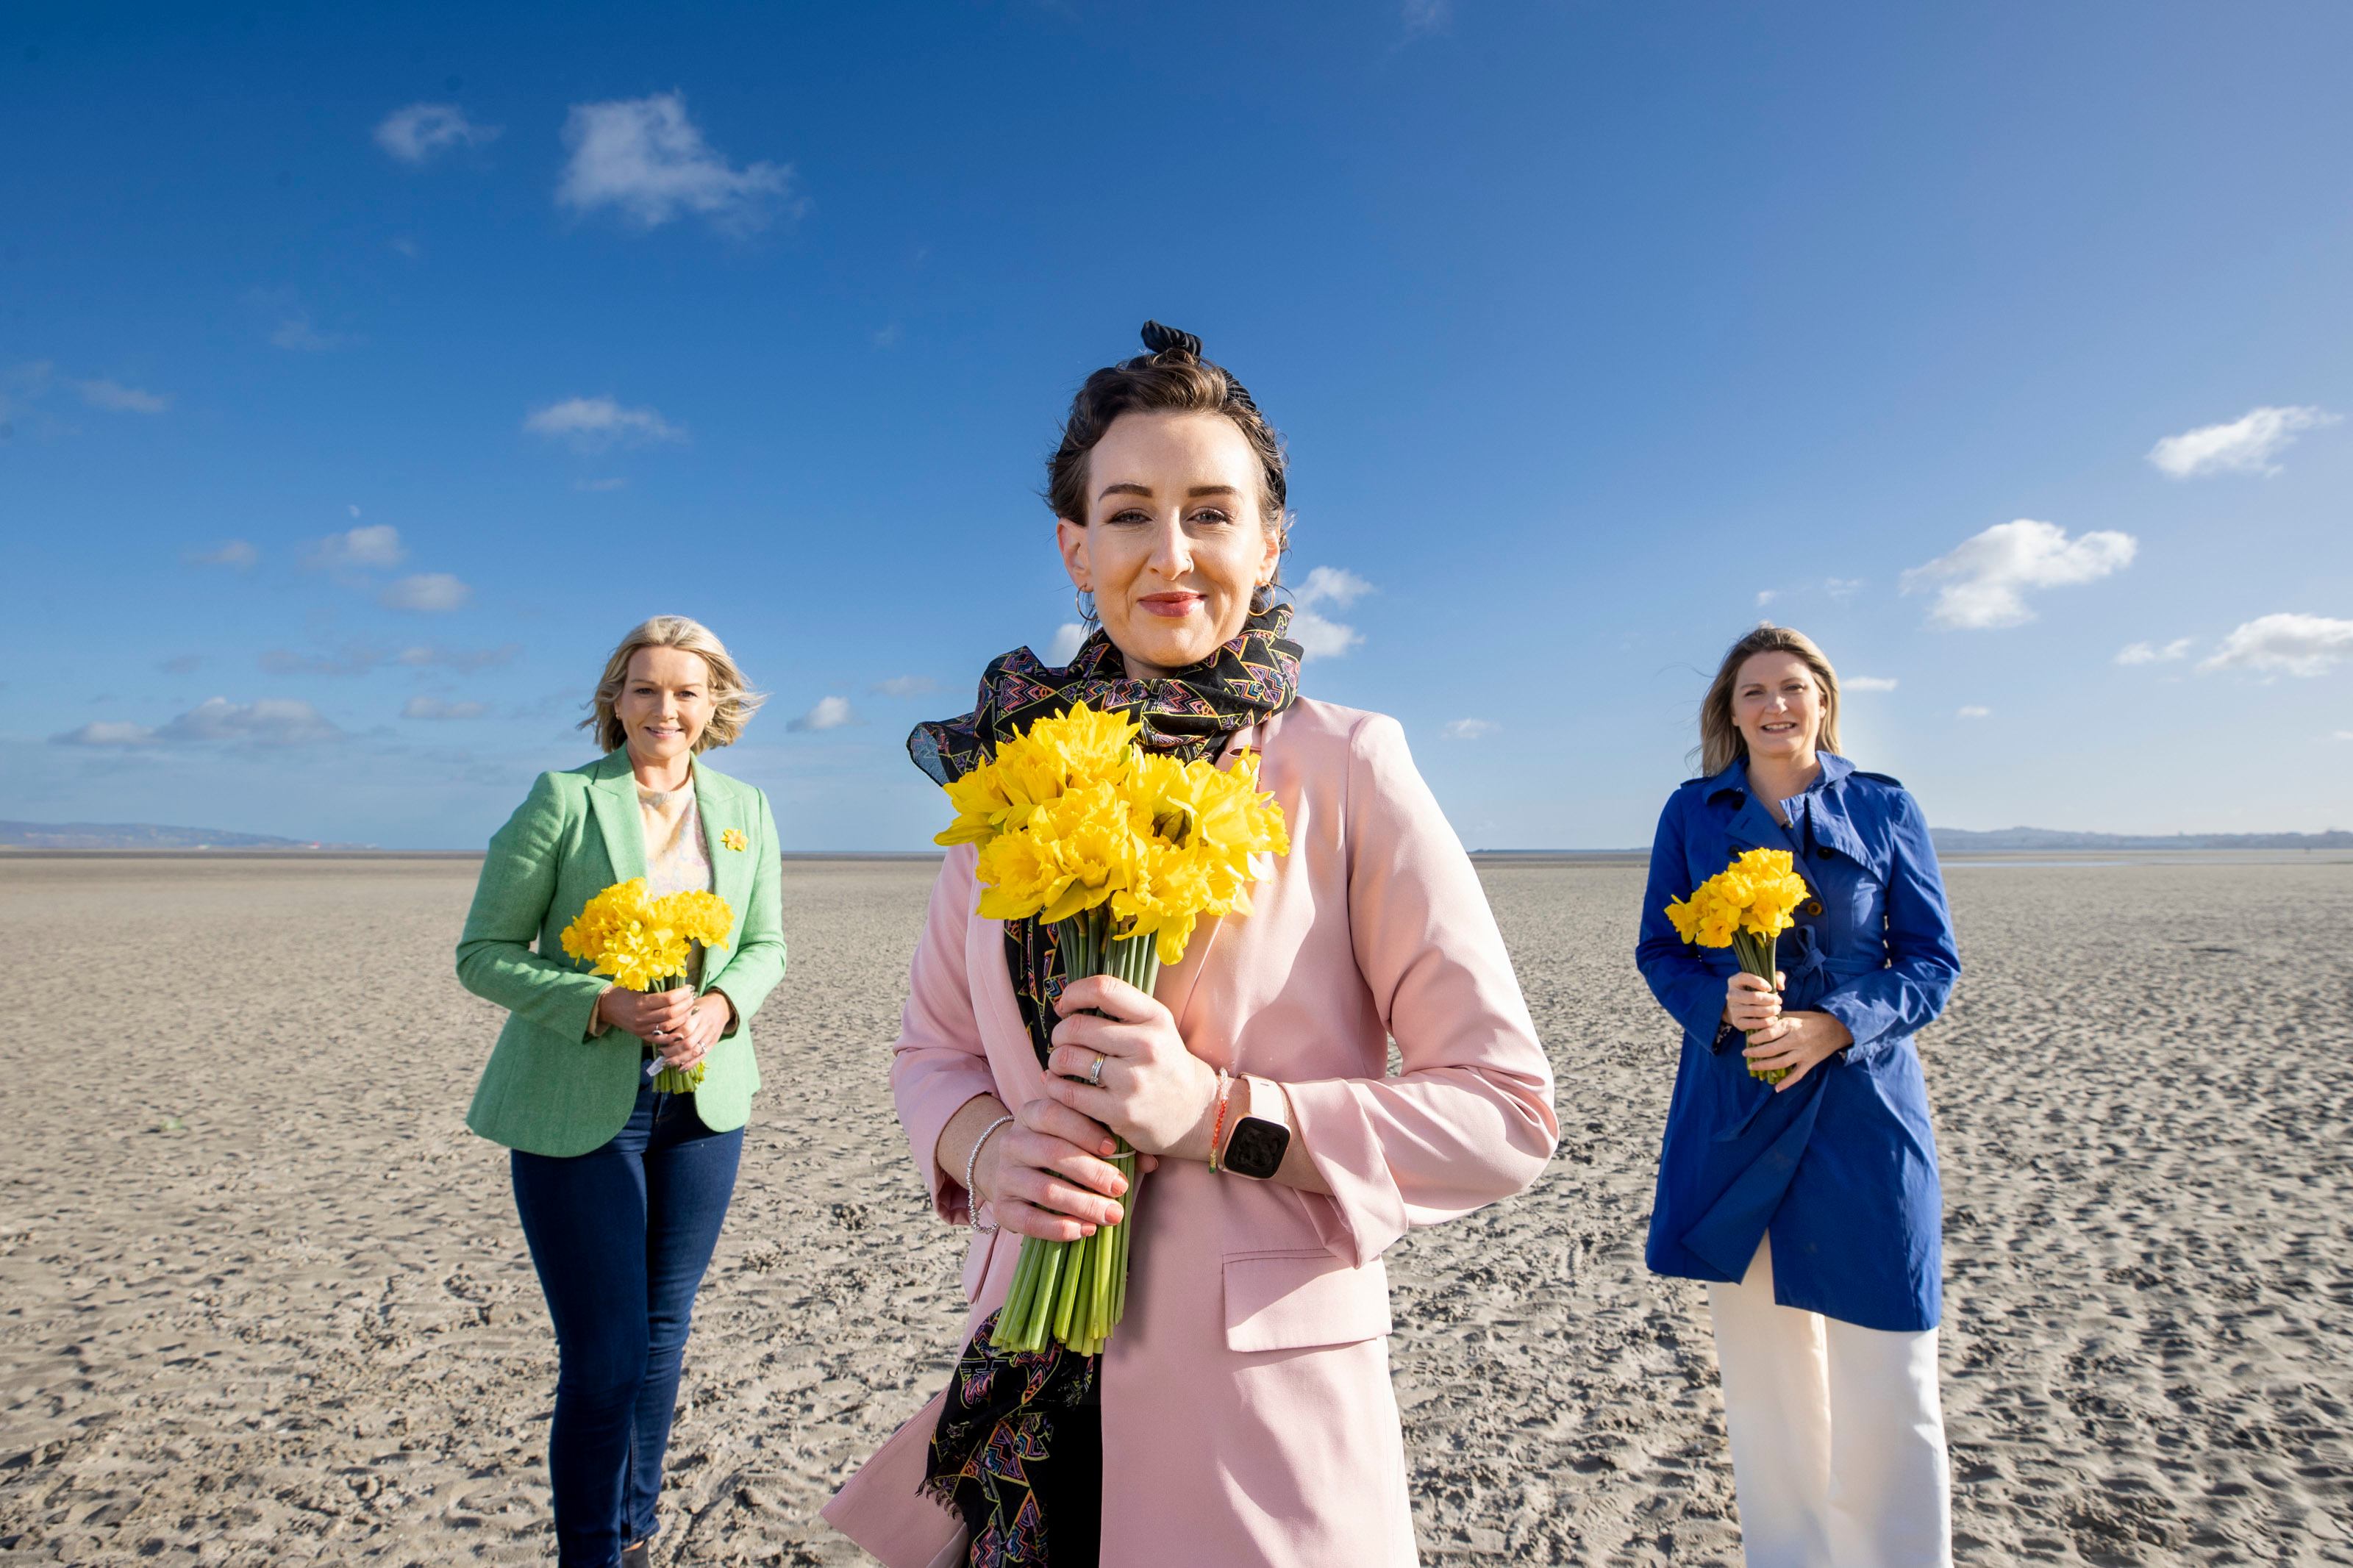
x,y
733,840
642,942
1745,907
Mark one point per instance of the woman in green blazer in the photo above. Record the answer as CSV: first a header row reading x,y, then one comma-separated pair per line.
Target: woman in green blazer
x,y
621,1187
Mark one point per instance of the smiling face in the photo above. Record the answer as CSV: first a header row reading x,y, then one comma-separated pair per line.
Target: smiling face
x,y
1777,706
664,704
1174,541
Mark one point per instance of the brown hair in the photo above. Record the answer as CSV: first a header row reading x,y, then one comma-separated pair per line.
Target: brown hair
x,y
1720,741
732,703
1169,377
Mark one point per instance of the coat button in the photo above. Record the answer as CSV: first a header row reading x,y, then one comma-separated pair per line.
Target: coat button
x,y
1813,906
1822,852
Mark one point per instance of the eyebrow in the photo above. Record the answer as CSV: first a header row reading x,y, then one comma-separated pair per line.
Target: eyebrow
x,y
1146,491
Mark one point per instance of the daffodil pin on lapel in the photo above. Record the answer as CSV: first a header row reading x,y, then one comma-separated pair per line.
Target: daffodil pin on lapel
x,y
734,838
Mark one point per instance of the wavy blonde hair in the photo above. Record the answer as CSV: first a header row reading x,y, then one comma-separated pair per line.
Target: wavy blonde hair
x,y
1720,741
732,703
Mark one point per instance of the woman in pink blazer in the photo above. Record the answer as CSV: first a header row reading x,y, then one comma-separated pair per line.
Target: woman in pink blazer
x,y
1241,1413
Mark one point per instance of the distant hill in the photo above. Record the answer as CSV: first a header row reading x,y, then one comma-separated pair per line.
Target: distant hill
x,y
1960,840
144,836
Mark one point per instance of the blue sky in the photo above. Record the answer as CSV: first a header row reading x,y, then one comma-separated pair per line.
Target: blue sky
x,y
365,372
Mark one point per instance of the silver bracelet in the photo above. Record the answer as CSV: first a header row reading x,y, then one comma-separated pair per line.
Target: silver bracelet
x,y
970,1162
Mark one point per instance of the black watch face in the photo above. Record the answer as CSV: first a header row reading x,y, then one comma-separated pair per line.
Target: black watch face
x,y
1256,1147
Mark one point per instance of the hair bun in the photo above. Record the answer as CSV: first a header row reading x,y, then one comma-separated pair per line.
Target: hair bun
x,y
1160,340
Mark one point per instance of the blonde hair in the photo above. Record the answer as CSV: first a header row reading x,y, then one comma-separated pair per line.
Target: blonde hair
x,y
732,703
1720,741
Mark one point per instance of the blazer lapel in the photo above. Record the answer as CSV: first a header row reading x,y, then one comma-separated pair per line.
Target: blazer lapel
x,y
613,800
720,801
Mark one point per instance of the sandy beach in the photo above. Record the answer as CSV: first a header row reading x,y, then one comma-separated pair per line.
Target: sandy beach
x,y
263,1297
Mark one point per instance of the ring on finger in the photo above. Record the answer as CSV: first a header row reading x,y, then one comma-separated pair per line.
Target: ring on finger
x,y
1094,1073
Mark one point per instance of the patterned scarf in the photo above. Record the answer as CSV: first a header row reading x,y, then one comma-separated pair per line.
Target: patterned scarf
x,y
996,1453
1189,713
998,1459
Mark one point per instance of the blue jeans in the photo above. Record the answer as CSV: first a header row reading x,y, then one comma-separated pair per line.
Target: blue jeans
x,y
621,1236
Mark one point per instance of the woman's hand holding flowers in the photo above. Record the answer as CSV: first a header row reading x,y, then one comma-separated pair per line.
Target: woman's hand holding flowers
x,y
1151,1090
705,1022
1047,1174
1796,1043
654,1016
678,1025
1750,1005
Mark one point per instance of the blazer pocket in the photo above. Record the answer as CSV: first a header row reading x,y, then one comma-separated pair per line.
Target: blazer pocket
x,y
1301,1297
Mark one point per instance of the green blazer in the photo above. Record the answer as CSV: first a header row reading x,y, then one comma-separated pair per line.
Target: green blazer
x,y
548,1087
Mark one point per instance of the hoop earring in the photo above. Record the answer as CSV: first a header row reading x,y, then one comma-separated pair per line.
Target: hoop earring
x,y
1084,598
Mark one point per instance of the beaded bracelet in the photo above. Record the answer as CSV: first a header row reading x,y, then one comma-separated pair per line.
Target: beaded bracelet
x,y
1217,1129
970,1162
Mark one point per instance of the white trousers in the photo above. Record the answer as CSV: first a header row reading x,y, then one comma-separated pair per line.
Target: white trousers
x,y
1838,1439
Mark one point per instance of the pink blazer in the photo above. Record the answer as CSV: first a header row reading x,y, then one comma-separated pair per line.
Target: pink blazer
x,y
1247,1415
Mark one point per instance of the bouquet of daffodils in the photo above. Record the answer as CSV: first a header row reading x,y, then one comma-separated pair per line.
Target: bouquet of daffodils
x,y
1745,907
641,943
1119,851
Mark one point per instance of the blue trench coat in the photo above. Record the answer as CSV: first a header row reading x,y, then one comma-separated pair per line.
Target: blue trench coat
x,y
1842,1168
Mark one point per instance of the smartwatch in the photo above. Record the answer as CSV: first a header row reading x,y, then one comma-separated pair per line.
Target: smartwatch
x,y
1256,1146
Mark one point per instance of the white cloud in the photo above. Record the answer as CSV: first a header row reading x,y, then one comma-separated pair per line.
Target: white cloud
x,y
417,133
296,332
1471,728
1974,711
217,721
1317,635
1428,15
272,722
116,398
830,714
378,544
434,707
1767,595
1067,637
905,686
357,658
2299,645
183,665
353,507
1985,580
1843,588
467,660
591,423
644,156
2244,446
106,734
1866,683
2149,653
233,553
427,592
2345,734
1336,583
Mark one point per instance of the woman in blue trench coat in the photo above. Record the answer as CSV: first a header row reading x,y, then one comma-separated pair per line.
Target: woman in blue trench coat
x,y
1811,1206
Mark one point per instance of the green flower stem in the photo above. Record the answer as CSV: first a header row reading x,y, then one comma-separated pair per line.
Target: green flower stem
x,y
1073,1293
670,1080
1757,957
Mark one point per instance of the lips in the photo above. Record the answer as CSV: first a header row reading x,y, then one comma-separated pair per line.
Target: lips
x,y
1174,607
